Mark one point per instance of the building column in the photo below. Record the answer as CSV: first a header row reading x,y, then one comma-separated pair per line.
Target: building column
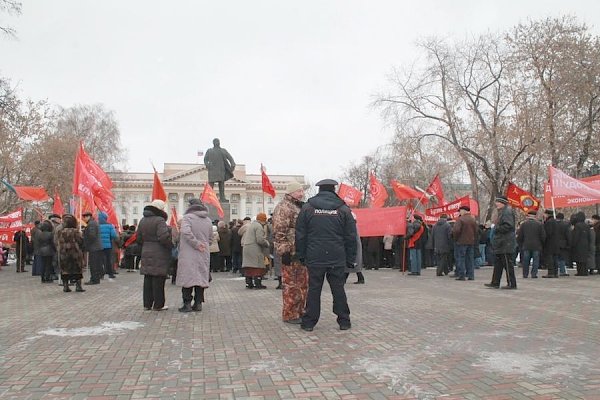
x,y
180,204
242,209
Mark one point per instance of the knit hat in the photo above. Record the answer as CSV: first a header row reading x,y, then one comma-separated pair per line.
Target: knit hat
x,y
194,202
501,199
293,186
158,204
262,217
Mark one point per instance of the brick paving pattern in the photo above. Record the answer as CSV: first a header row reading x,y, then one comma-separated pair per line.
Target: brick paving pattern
x,y
412,338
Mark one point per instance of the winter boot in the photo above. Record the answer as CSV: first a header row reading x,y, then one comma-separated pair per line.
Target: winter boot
x,y
258,284
197,306
279,285
187,307
78,287
66,287
249,284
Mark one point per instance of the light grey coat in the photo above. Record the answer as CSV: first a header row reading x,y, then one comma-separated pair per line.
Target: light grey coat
x,y
256,246
193,265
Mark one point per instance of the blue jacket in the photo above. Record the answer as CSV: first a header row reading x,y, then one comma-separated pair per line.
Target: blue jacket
x,y
108,233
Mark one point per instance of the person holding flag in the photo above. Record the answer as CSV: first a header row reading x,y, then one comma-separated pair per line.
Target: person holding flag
x,y
504,244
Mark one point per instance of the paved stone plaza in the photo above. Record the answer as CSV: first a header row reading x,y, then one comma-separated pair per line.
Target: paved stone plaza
x,y
412,337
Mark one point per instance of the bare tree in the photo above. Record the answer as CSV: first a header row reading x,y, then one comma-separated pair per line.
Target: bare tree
x,y
10,7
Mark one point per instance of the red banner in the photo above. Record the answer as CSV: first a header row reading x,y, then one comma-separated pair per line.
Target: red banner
x,y
7,234
350,195
451,209
520,198
562,184
378,193
435,189
10,224
14,216
570,201
381,221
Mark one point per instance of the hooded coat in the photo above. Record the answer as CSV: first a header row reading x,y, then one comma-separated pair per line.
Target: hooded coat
x,y
193,265
108,232
154,236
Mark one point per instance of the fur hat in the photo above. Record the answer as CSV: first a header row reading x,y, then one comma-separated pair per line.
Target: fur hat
x,y
293,186
158,204
262,217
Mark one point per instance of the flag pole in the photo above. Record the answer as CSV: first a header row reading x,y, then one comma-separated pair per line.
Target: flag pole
x,y
553,208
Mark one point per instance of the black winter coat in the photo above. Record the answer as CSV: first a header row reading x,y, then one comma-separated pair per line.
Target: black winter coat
x,y
551,244
580,238
504,240
326,232
236,240
91,237
45,240
154,236
441,234
531,235
564,234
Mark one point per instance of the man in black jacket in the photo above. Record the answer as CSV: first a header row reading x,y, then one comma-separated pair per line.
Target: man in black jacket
x,y
530,237
93,245
504,244
551,247
326,244
564,244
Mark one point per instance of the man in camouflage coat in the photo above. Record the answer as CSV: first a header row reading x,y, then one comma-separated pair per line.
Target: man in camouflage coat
x,y
294,275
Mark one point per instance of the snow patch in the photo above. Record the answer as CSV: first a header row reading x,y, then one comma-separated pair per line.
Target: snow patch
x,y
106,328
269,366
538,367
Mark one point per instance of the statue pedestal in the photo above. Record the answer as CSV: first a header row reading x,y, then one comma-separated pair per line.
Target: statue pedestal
x,y
213,213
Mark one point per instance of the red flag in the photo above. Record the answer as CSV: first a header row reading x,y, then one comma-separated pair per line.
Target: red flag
x,y
404,192
131,239
209,197
28,193
57,207
569,201
378,193
562,184
520,198
435,189
452,208
350,195
90,181
173,220
158,191
267,187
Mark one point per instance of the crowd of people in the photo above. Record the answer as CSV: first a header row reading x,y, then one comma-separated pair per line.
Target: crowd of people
x,y
302,244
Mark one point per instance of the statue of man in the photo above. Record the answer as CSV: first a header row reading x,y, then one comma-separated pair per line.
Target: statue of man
x,y
220,167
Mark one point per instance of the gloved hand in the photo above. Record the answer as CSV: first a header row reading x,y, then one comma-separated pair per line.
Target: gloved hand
x,y
286,258
350,265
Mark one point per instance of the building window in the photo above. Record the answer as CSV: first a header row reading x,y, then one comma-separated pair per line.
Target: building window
x,y
248,211
135,197
146,198
135,221
235,198
123,222
234,210
270,200
173,197
258,199
187,197
135,210
249,198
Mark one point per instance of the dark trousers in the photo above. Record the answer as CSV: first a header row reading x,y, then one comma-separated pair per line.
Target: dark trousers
x,y
226,262
581,268
20,254
96,260
504,262
336,278
154,291
107,257
236,261
186,294
128,261
551,263
443,263
47,268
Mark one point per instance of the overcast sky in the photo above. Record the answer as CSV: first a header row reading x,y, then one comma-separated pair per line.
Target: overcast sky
x,y
285,83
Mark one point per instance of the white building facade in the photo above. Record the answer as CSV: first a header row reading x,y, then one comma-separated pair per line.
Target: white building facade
x,y
133,190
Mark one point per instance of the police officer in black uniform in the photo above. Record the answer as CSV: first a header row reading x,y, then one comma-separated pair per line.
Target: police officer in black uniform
x,y
326,244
